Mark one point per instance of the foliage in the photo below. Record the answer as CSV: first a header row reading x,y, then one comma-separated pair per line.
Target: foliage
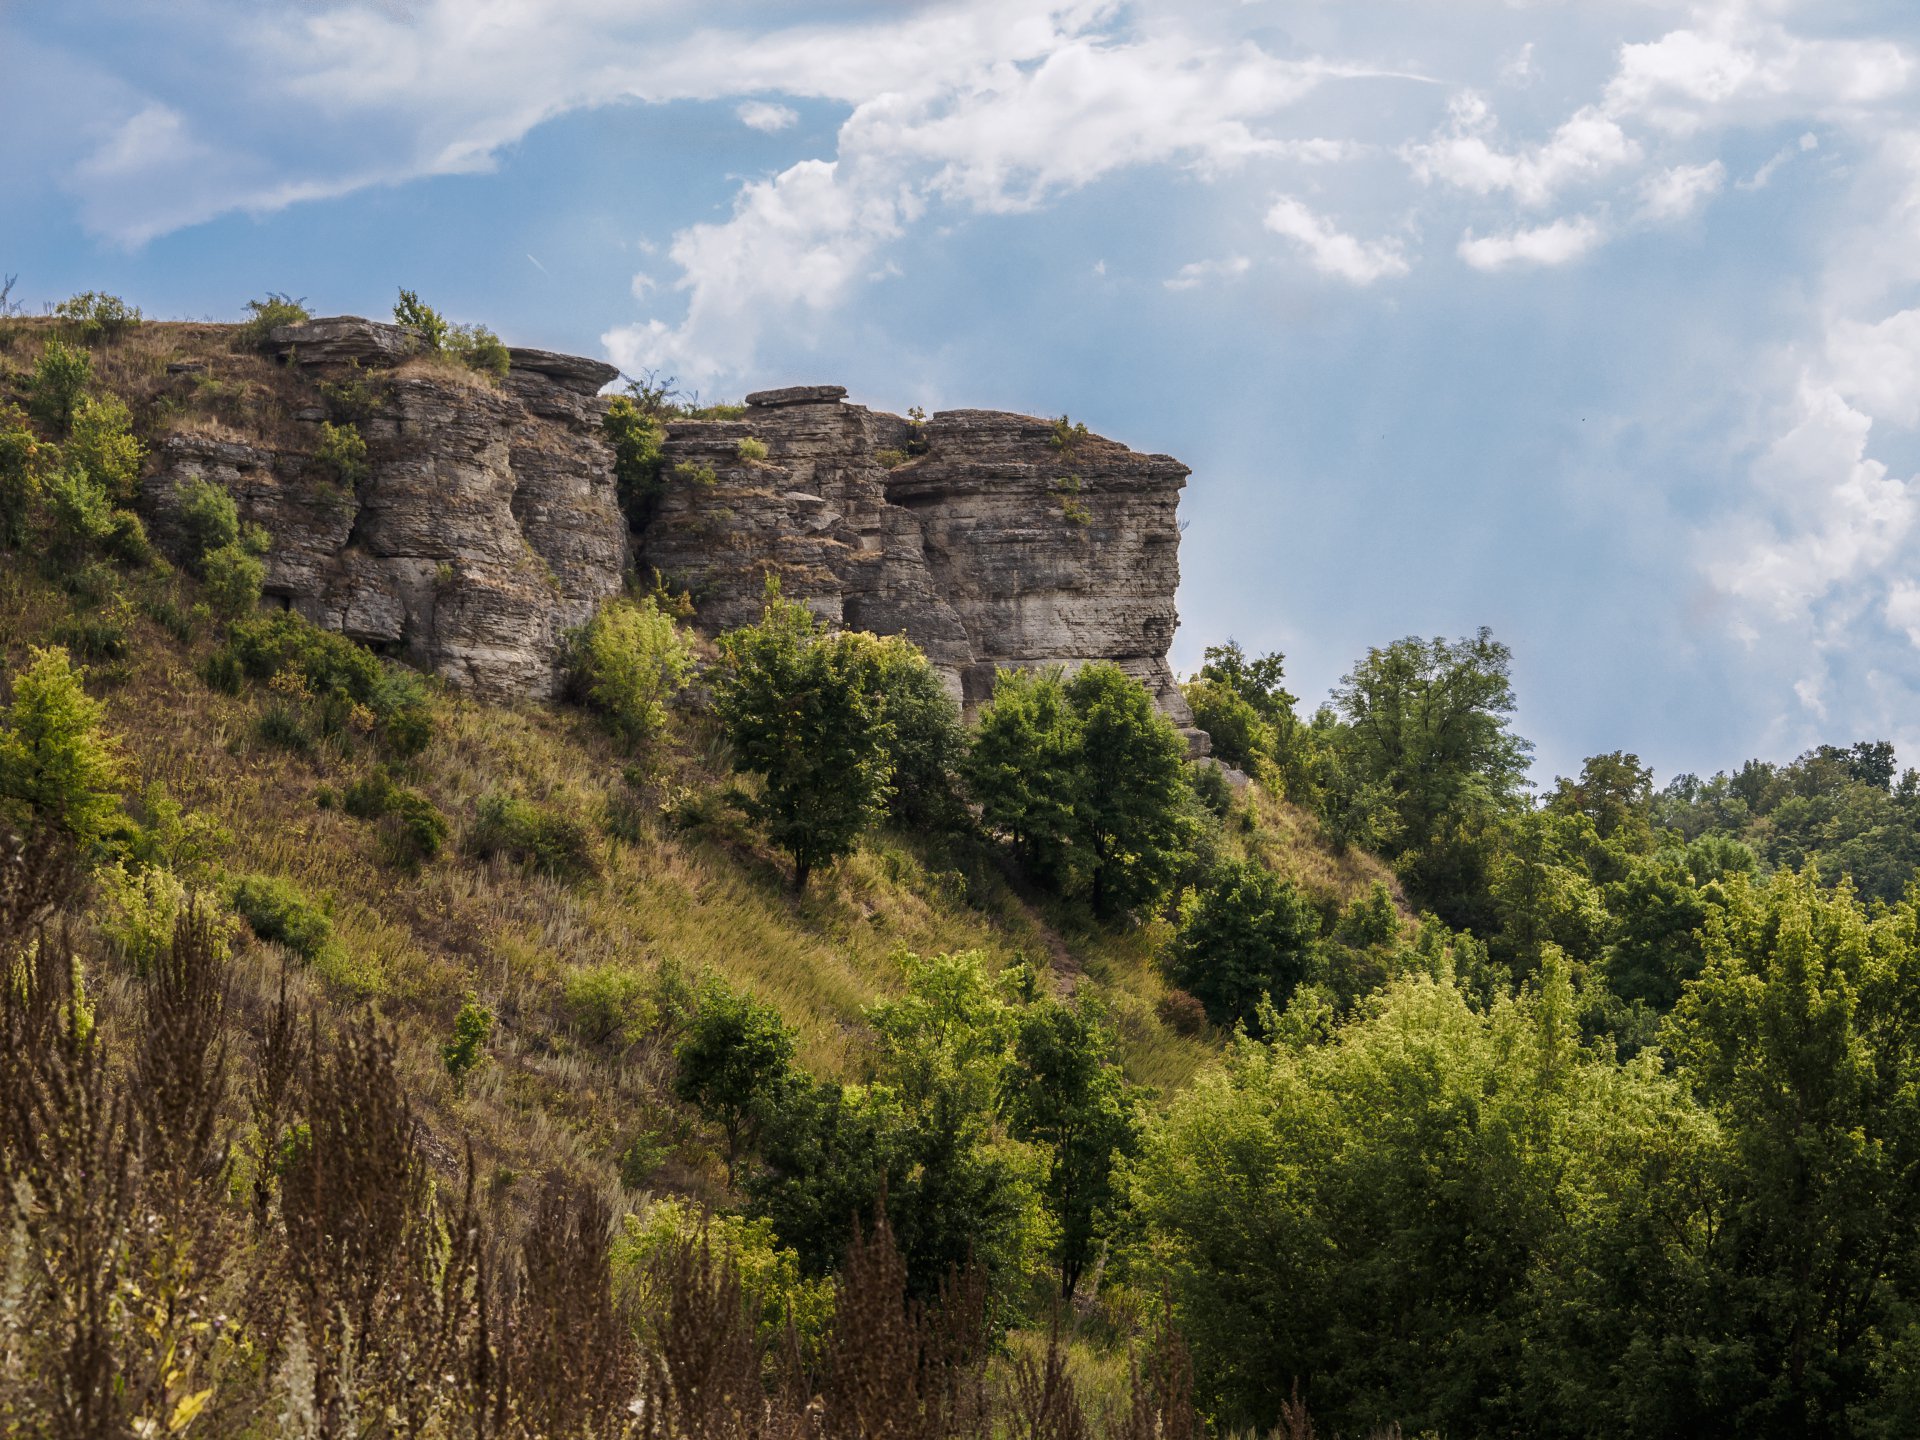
x,y
467,1050
479,349
412,828
93,315
628,662
266,316
635,435
1245,937
531,834
609,1004
799,714
60,377
278,910
23,460
1067,435
786,1301
921,724
339,676
234,575
733,1065
1087,778
101,443
425,321
59,771
208,517
342,453
1064,1090
750,449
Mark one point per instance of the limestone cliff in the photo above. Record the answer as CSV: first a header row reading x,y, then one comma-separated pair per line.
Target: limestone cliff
x,y
488,522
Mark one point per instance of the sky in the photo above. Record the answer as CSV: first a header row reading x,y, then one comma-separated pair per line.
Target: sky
x,y
1595,322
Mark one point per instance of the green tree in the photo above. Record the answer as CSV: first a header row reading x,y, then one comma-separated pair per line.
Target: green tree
x,y
635,436
1802,1040
798,712
1245,936
1065,1090
60,378
925,741
58,769
467,1050
1024,772
23,459
1426,720
425,321
734,1065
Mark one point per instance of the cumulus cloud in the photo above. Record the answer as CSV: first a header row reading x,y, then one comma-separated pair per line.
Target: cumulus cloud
x,y
1332,252
1557,243
766,117
1586,146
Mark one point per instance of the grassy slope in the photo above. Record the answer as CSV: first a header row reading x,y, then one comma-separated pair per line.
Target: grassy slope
x,y
677,900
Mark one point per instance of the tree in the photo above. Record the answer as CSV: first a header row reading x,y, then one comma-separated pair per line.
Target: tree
x,y
1801,1039
799,713
58,771
1244,706
1133,785
1427,720
1066,1091
1087,778
734,1065
1024,771
925,741
1247,935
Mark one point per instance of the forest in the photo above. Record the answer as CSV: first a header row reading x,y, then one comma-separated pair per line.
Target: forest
x,y
751,1047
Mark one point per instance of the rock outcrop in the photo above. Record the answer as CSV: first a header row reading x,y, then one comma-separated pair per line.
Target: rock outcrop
x,y
990,539
486,526
488,522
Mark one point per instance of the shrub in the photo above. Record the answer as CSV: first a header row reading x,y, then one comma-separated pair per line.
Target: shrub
x,y
734,1065
93,315
59,378
412,828
425,321
1067,435
769,1274
343,453
628,662
102,443
478,348
530,834
58,771
234,577
352,398
82,514
22,458
277,910
266,316
92,637
635,436
608,1003
751,449
329,668
467,1050
208,517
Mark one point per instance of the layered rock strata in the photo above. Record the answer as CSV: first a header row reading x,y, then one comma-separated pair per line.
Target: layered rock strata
x,y
989,539
488,522
486,526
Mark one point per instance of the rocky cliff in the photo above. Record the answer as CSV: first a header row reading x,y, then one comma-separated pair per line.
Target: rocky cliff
x,y
488,524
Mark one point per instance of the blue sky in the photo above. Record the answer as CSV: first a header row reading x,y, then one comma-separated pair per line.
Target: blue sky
x,y
1596,322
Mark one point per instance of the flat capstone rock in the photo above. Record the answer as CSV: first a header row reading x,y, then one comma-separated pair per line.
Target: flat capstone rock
x,y
797,395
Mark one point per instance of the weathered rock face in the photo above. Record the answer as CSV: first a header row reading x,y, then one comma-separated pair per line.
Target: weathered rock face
x,y
489,523
487,526
992,544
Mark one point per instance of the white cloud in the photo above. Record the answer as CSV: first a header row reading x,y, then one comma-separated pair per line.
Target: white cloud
x,y
1876,366
1557,243
1903,609
766,117
1676,193
1585,147
1198,272
1332,252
